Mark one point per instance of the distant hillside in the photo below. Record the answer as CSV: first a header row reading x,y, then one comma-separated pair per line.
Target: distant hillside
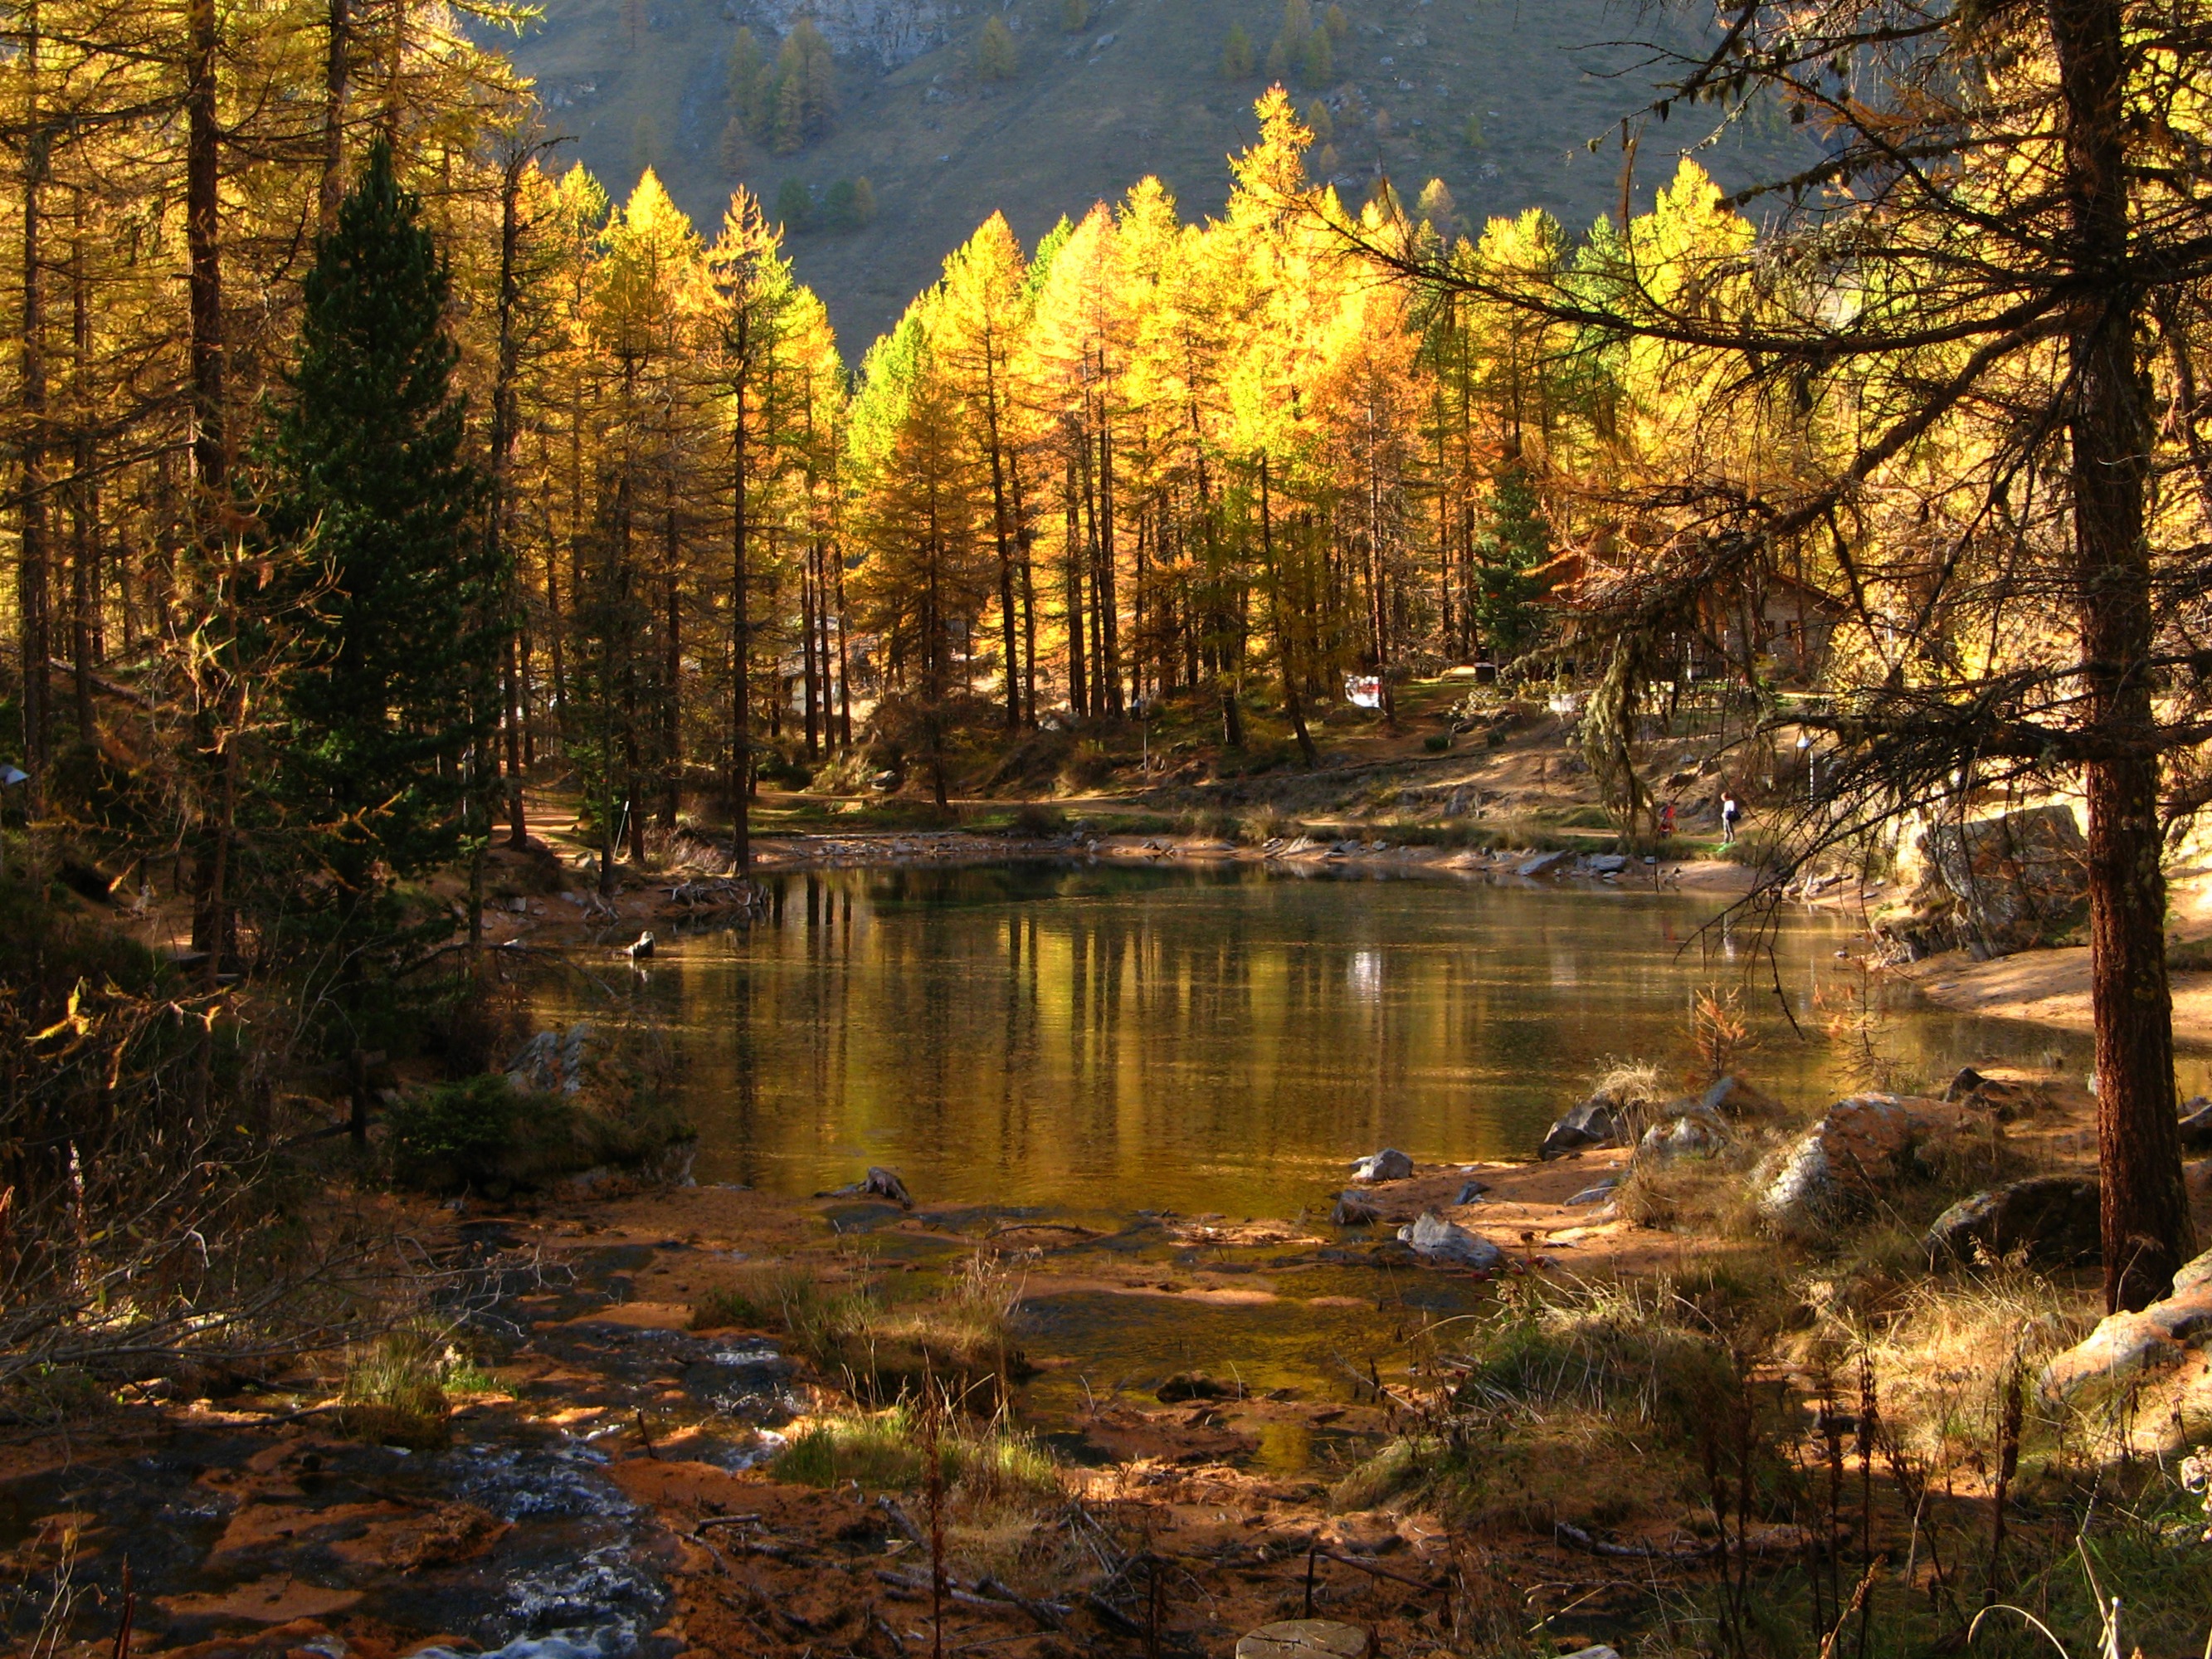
x,y
1136,90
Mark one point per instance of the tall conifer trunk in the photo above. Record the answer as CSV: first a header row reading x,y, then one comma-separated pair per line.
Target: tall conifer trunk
x,y
84,486
2145,1224
338,67
741,632
1072,545
505,365
34,598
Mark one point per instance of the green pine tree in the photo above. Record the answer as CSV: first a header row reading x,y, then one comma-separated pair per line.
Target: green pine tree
x,y
1509,583
803,100
1236,57
750,99
995,57
794,206
367,480
1317,60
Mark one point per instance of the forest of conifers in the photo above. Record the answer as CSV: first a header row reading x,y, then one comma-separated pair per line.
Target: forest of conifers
x,y
366,456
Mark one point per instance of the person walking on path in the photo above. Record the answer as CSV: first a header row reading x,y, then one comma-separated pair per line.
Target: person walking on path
x,y
1731,815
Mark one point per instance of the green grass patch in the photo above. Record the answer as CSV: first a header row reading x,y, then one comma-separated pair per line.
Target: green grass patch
x,y
888,1451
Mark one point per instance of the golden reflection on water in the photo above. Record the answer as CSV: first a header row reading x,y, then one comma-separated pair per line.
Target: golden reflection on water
x,y
1108,1039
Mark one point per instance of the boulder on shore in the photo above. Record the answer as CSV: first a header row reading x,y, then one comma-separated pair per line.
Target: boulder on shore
x,y
1354,1209
2051,1220
2162,1334
552,1062
1388,1165
1729,1095
886,1183
1435,1239
1838,1168
1593,1123
1691,1133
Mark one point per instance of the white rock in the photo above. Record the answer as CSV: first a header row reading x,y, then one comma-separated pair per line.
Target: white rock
x,y
1388,1165
1435,1239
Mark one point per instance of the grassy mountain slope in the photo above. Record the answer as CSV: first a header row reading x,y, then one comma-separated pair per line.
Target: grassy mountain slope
x,y
1138,90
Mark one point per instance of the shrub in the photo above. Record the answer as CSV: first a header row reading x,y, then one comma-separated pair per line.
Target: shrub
x,y
1216,823
1038,819
481,1135
1437,743
1089,768
455,1134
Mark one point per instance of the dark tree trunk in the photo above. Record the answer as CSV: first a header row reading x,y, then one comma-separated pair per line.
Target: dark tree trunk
x,y
1293,704
84,488
2147,1228
34,598
337,71
741,639
506,364
204,244
1078,701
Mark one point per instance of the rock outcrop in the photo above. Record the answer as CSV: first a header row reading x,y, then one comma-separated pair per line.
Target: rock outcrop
x,y
552,1062
2196,1125
1354,1209
1999,884
1835,1169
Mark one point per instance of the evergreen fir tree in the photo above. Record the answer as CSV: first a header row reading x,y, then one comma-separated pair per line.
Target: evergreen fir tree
x,y
1236,56
995,52
749,84
805,96
368,481
1316,60
794,206
1509,585
1437,206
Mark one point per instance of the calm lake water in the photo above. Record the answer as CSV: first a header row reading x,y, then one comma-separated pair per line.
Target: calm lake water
x,y
1107,1039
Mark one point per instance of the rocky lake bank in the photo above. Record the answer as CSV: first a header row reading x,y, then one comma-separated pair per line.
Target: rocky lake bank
x,y
1492,1401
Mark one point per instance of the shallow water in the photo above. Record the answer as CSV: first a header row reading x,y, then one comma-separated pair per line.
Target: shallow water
x,y
1105,1039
